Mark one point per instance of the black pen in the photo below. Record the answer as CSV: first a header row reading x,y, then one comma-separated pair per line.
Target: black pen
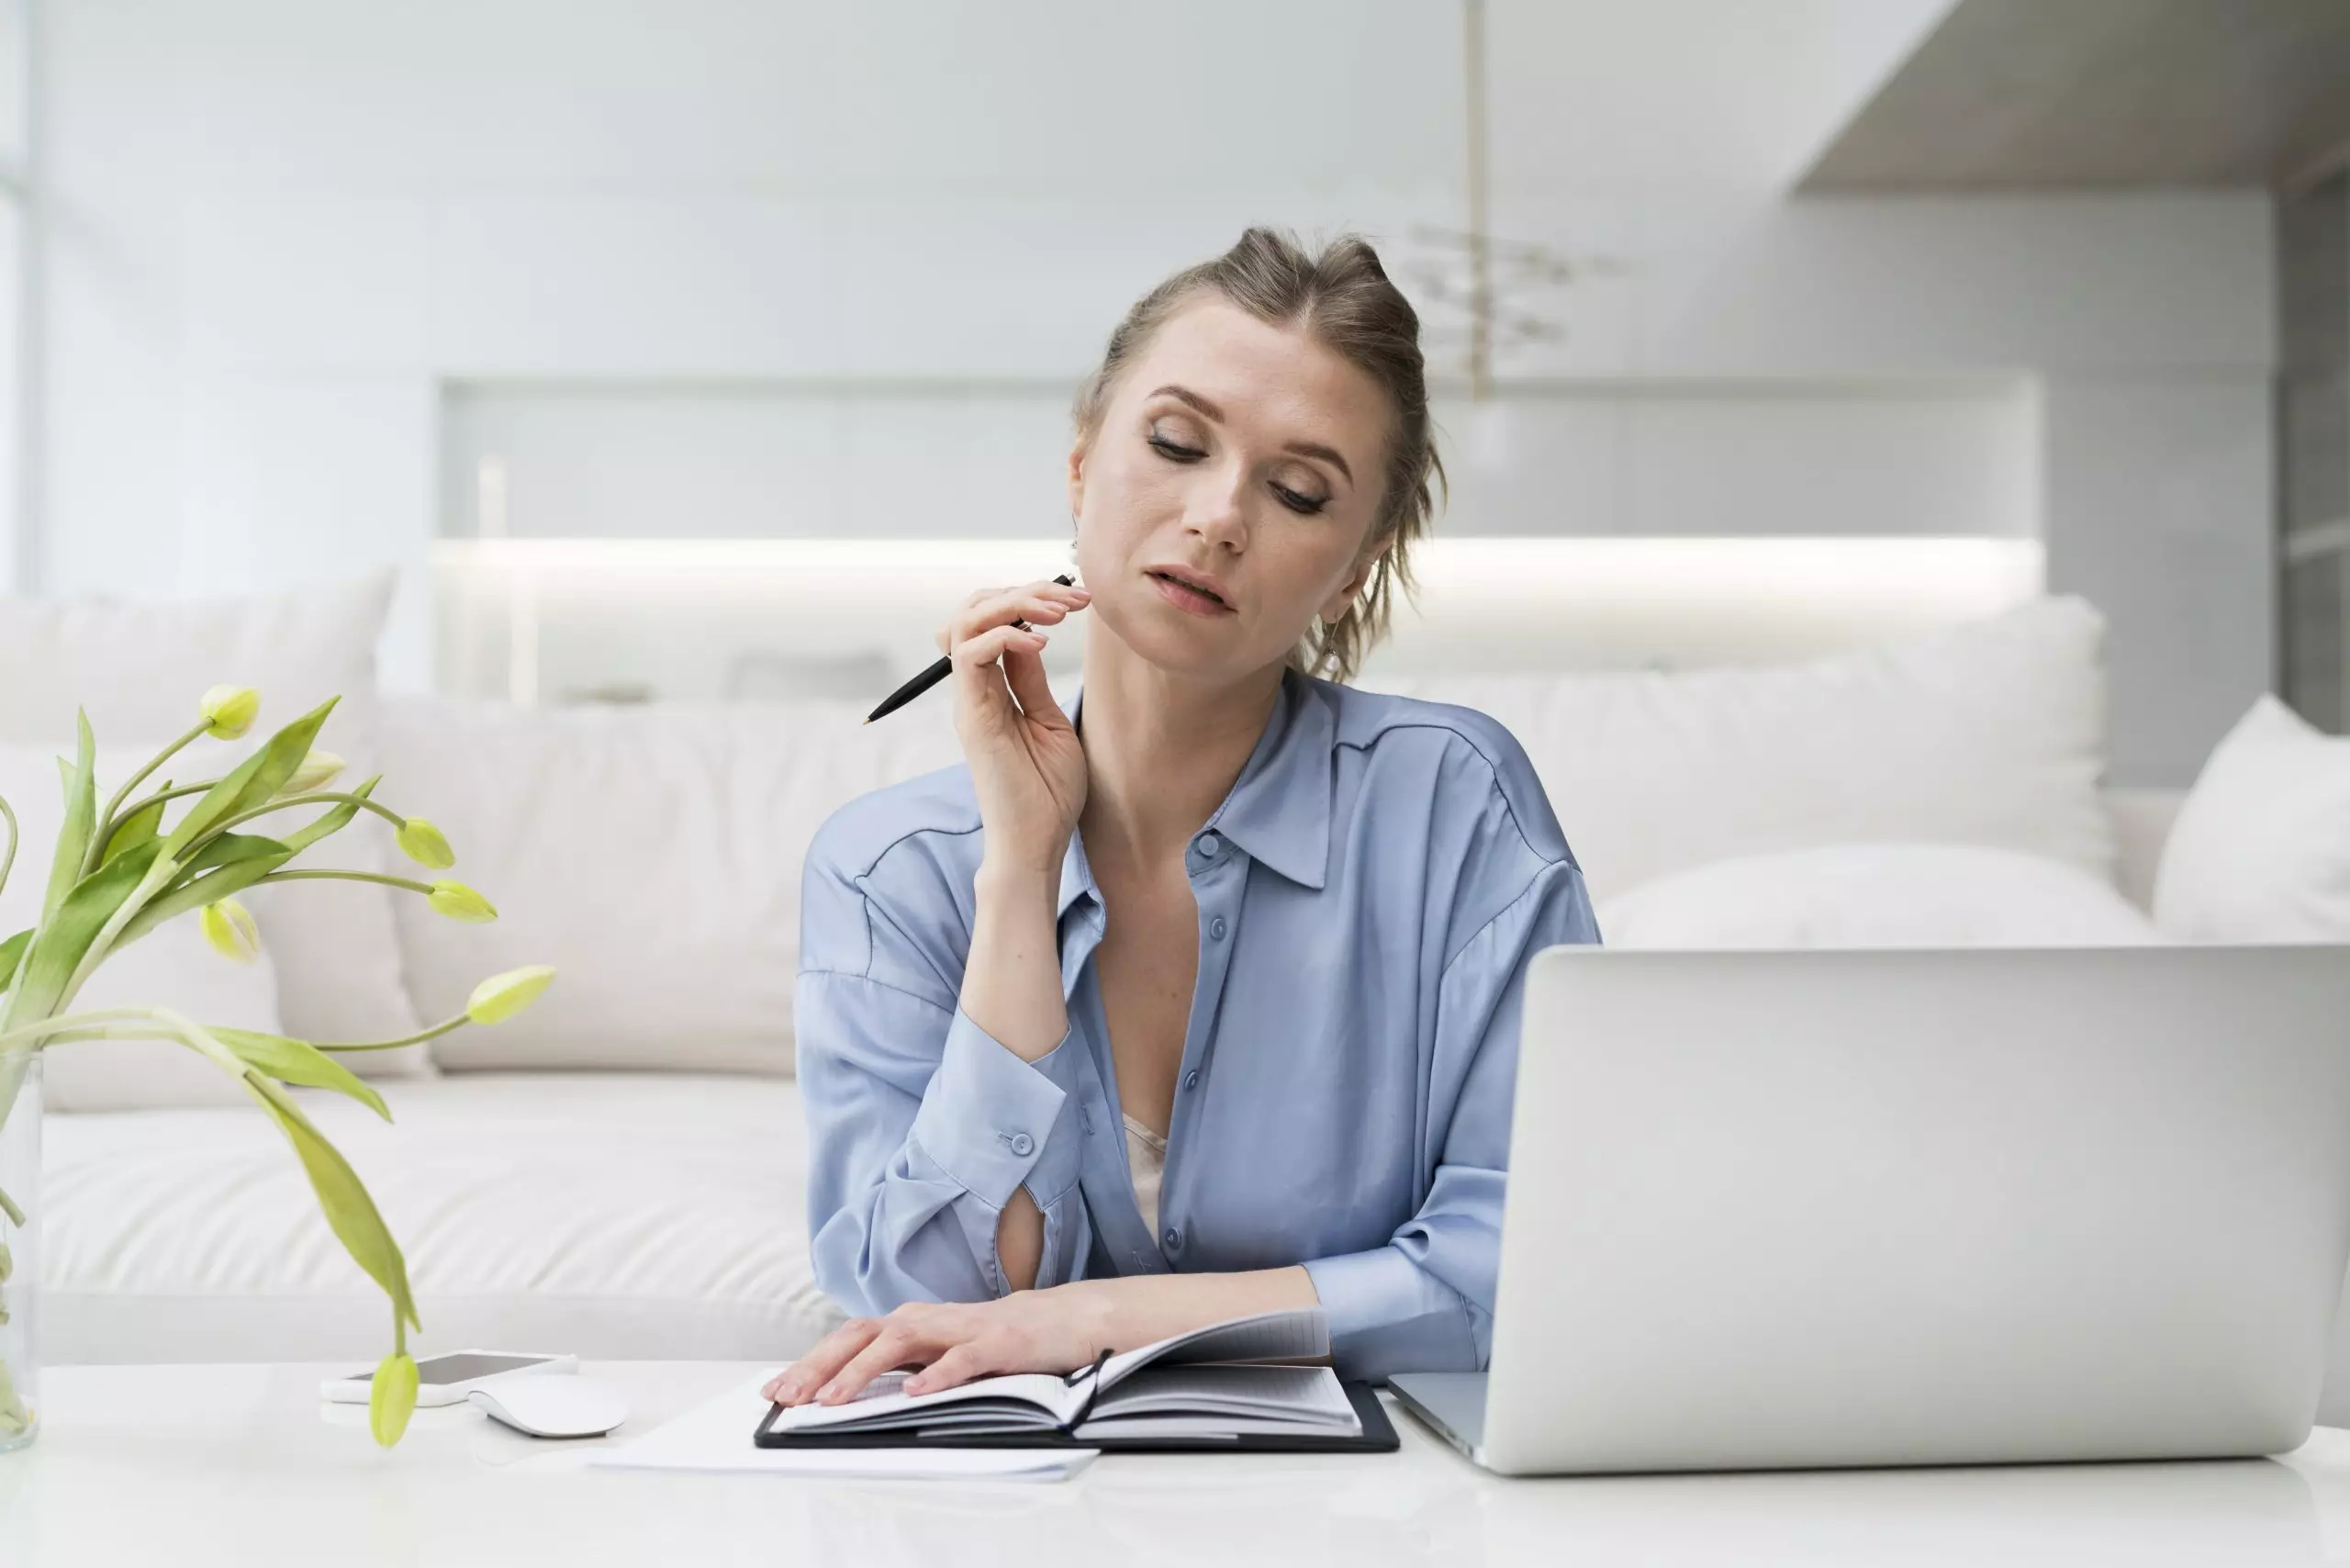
x,y
934,674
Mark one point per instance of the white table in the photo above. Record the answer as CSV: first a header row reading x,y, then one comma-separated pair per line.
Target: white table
x,y
196,1465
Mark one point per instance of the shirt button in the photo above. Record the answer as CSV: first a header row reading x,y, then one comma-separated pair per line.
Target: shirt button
x,y
1174,1239
1215,929
1023,1144
1210,844
1192,1078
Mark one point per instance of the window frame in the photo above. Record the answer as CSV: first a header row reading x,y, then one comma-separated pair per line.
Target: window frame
x,y
20,287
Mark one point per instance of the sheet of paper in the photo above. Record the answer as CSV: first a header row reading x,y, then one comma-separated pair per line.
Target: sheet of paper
x,y
716,1436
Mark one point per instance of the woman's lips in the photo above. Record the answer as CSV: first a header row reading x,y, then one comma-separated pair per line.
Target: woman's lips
x,y
1189,600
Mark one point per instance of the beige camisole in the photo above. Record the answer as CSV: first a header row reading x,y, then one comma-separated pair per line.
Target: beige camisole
x,y
1146,1157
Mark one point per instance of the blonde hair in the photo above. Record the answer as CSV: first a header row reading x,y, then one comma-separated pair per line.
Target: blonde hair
x,y
1343,297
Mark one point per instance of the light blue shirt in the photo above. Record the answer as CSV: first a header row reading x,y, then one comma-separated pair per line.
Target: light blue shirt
x,y
1370,895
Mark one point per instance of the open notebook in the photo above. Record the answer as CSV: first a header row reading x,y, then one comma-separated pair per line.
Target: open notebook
x,y
1253,1382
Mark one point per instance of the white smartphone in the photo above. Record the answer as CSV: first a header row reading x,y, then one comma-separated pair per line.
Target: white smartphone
x,y
446,1380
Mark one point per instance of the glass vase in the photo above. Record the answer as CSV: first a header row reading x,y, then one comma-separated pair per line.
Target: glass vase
x,y
19,1246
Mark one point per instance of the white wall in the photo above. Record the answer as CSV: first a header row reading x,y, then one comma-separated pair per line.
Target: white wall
x,y
309,260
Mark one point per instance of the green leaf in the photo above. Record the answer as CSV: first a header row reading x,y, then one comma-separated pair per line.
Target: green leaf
x,y
136,829
81,813
349,1210
12,952
298,1061
233,878
391,1398
331,821
253,782
228,850
61,942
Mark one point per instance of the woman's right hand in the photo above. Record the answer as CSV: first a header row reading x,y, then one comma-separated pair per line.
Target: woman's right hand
x,y
1028,767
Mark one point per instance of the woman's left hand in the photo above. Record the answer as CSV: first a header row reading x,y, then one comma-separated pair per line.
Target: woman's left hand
x,y
1055,1330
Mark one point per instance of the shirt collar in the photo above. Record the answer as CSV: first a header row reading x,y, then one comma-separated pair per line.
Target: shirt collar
x,y
1278,808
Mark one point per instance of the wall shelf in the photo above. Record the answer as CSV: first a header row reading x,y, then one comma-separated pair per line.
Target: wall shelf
x,y
568,620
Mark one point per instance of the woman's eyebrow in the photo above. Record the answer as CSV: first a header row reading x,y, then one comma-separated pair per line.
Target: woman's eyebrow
x,y
1303,448
1327,455
1193,398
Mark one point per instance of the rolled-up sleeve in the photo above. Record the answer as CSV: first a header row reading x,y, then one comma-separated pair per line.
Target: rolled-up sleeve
x,y
922,1125
1424,1301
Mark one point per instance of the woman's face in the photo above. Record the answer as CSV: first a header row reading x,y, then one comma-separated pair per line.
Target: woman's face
x,y
1227,495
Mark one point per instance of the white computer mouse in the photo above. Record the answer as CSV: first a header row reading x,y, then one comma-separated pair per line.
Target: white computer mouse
x,y
552,1405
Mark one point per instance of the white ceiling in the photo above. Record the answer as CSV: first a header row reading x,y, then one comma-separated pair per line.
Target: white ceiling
x,y
1034,96
1740,94
2020,94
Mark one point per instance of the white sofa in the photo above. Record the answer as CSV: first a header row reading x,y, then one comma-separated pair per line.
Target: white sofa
x,y
618,1173
626,1214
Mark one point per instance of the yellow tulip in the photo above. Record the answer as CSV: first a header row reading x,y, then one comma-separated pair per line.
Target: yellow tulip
x,y
229,711
229,927
423,843
391,1398
500,997
319,769
459,901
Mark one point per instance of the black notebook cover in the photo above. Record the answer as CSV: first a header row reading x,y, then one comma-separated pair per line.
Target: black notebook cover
x,y
1378,1436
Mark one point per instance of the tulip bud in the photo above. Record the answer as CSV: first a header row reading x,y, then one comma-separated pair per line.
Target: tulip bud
x,y
423,843
391,1398
319,769
500,997
229,927
229,711
459,901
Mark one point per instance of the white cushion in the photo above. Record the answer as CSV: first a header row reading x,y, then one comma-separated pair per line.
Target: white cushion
x,y
172,966
141,670
1876,895
659,1218
1991,733
651,854
2261,850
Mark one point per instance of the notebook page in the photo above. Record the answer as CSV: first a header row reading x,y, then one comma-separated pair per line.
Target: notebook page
x,y
1053,1400
1301,1396
1300,1336
1198,1429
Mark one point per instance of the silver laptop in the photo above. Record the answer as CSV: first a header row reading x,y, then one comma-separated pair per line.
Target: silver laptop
x,y
1773,1210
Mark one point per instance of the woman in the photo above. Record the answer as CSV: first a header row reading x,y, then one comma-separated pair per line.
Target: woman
x,y
1266,927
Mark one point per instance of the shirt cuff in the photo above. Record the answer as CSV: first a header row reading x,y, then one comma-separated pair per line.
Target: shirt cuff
x,y
1388,1314
991,1121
